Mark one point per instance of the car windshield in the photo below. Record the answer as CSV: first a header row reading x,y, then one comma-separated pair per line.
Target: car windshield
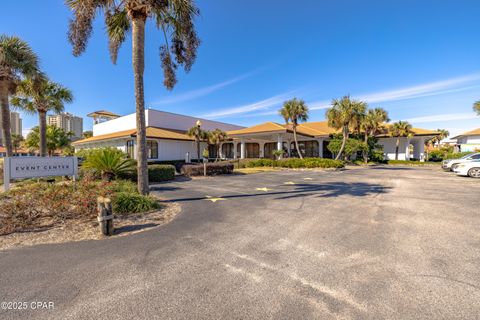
x,y
468,155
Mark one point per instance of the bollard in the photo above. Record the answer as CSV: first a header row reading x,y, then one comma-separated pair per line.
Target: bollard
x,y
105,216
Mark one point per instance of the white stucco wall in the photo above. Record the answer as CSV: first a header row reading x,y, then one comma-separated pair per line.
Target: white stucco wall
x,y
160,119
115,125
176,150
167,149
389,145
118,143
469,139
175,121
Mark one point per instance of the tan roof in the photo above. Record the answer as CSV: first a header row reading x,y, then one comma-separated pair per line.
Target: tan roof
x,y
319,126
260,128
474,132
152,132
102,113
314,129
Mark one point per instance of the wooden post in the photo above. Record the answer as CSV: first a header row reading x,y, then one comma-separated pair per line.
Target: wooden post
x,y
105,215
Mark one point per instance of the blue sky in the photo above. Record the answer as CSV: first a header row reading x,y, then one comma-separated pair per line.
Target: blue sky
x,y
420,60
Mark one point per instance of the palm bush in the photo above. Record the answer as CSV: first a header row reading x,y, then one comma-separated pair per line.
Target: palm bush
x,y
127,202
109,163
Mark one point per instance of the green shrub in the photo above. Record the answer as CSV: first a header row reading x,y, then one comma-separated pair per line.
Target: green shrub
x,y
156,173
110,163
161,172
296,163
457,155
213,168
128,202
407,162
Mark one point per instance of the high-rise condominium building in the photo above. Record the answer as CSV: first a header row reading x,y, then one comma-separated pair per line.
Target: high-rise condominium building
x,y
67,122
15,125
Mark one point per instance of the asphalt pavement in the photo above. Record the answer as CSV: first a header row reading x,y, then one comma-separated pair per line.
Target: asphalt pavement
x,y
366,243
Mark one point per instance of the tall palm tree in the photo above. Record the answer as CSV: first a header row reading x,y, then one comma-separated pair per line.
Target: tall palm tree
x,y
344,115
40,95
216,137
199,135
293,112
17,60
400,129
175,18
476,107
371,124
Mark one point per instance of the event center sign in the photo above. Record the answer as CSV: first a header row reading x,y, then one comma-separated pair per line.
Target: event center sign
x,y
37,167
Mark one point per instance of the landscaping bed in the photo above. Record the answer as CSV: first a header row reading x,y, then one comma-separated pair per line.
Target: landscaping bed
x,y
294,163
40,212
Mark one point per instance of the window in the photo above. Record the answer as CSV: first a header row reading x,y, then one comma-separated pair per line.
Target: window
x,y
152,149
476,156
130,148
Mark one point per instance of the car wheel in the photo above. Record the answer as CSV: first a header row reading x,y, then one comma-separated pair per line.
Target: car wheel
x,y
474,172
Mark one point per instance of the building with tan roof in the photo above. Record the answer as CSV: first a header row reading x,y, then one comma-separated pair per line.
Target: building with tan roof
x,y
468,141
167,139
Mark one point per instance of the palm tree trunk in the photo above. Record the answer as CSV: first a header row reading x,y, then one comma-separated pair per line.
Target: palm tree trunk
x,y
198,150
138,46
345,137
296,142
396,148
42,126
365,152
5,115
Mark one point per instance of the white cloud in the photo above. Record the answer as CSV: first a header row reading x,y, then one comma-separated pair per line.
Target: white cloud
x,y
423,90
256,106
197,93
444,117
25,132
418,91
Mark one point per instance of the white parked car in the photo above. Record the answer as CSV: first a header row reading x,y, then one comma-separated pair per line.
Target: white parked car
x,y
471,169
451,164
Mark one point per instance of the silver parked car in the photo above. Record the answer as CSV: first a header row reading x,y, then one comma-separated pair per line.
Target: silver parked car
x,y
451,164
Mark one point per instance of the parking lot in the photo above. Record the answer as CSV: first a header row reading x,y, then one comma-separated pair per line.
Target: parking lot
x,y
382,242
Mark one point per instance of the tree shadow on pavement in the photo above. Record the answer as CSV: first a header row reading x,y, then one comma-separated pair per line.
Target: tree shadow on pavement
x,y
326,190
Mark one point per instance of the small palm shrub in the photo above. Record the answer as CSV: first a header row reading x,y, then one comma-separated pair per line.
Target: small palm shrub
x,y
108,162
126,202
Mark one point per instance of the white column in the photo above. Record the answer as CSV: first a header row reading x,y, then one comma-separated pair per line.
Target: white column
x,y
235,150
320,148
242,149
262,149
289,144
220,151
421,149
407,150
279,142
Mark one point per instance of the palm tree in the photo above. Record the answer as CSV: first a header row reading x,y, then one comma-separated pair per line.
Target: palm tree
x,y
476,107
40,95
87,134
400,129
371,124
442,134
343,115
56,139
199,135
216,137
293,112
17,60
17,140
175,18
